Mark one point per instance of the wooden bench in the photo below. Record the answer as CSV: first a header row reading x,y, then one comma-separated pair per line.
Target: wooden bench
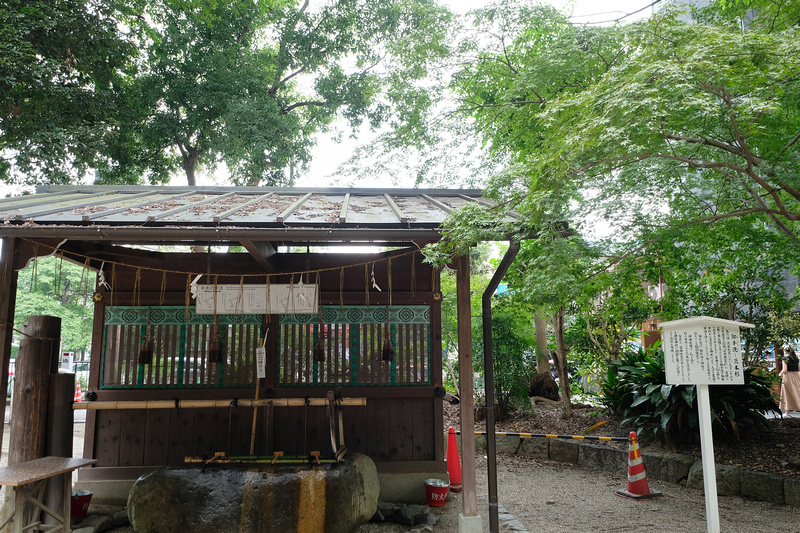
x,y
29,480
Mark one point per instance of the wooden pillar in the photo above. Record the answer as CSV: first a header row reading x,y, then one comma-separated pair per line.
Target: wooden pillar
x,y
58,442
8,297
650,333
464,315
36,360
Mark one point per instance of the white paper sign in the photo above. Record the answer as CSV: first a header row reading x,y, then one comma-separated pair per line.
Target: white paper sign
x,y
261,362
703,351
276,298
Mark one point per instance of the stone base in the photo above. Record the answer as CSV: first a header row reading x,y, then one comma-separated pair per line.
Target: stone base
x,y
406,488
108,492
470,524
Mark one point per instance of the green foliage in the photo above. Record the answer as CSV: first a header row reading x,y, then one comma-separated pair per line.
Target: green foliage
x,y
513,353
701,119
636,388
611,308
732,270
52,286
61,65
137,91
250,83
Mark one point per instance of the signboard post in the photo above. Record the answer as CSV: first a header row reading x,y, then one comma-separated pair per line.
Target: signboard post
x,y
704,351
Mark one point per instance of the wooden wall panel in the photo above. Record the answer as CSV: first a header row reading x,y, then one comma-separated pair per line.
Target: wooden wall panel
x,y
107,443
378,432
156,441
401,414
423,430
181,426
208,423
132,437
355,429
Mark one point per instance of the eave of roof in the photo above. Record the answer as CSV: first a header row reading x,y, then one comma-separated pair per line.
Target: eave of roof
x,y
216,214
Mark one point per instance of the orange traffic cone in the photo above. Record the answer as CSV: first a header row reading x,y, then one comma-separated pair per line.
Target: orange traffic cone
x,y
453,462
77,398
638,489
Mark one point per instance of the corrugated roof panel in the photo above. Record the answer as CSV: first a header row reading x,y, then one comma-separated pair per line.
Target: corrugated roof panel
x,y
187,212
66,208
421,210
370,210
318,209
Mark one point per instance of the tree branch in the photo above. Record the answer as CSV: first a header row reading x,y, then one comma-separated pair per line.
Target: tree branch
x,y
304,104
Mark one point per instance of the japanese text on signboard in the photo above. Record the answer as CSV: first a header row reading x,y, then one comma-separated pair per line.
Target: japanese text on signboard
x,y
703,354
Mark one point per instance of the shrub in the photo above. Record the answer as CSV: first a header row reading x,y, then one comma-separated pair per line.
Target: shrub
x,y
636,388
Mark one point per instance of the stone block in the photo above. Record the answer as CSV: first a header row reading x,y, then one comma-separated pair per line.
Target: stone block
x,y
480,443
564,451
730,480
762,486
120,518
332,497
470,524
97,522
695,478
791,492
536,447
603,457
507,444
671,467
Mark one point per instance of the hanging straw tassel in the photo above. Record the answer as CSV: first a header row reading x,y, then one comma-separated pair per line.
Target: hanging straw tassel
x,y
388,350
387,354
146,351
215,347
319,349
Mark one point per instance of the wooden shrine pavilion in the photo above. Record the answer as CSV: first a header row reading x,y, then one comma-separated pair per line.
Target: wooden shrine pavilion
x,y
200,290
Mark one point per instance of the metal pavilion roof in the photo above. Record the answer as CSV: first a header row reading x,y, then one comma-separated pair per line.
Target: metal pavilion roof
x,y
228,214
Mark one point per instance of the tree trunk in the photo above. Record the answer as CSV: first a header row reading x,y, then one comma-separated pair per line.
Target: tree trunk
x,y
190,156
560,360
542,359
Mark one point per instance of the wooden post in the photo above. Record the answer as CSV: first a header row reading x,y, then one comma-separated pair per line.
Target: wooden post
x,y
8,297
36,360
464,315
58,441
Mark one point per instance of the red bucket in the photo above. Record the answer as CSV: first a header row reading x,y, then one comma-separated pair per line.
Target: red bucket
x,y
80,504
436,491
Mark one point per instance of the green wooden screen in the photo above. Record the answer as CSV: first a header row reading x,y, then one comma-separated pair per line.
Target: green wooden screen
x,y
180,348
352,340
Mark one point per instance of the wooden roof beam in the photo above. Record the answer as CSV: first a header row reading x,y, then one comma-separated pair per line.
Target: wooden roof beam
x,y
402,217
292,208
261,252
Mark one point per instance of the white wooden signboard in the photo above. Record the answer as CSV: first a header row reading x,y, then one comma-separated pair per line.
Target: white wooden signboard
x,y
704,351
275,298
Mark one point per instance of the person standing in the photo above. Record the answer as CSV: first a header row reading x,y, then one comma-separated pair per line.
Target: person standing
x,y
790,383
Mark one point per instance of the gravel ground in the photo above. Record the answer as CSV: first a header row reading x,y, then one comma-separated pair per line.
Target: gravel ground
x,y
548,497
551,497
